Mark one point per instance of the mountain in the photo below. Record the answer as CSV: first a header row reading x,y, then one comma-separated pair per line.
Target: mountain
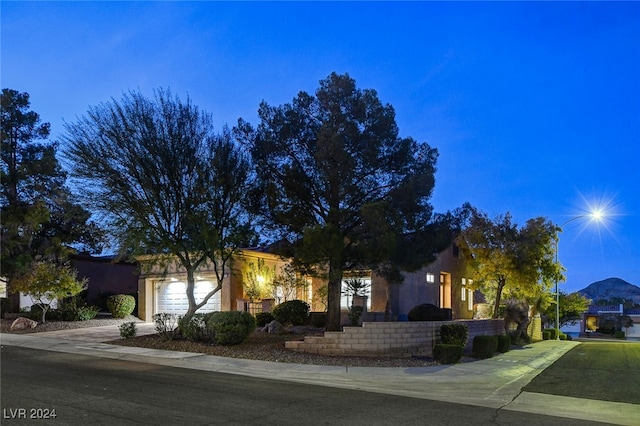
x,y
611,288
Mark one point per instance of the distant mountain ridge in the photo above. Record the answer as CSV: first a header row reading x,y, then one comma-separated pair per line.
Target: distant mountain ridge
x,y
611,288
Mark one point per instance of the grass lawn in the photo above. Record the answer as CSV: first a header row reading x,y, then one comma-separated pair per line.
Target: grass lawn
x,y
607,371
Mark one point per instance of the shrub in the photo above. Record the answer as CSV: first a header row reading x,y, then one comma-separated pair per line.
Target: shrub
x,y
454,334
485,346
196,327
128,330
519,338
427,312
294,312
552,333
447,353
263,318
231,328
74,309
355,312
85,313
619,334
504,343
546,335
318,319
166,325
562,336
121,305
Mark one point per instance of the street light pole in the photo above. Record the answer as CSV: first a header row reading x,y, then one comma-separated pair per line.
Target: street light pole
x,y
597,215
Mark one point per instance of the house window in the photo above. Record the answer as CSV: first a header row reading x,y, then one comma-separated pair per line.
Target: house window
x,y
464,281
463,294
470,299
431,278
346,299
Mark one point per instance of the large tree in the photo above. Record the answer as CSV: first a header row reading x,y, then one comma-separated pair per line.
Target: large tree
x,y
164,182
508,260
340,185
40,218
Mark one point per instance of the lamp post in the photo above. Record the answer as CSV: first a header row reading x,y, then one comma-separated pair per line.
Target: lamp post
x,y
595,215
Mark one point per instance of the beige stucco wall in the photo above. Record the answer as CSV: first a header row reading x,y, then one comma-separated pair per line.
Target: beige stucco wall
x,y
232,286
415,290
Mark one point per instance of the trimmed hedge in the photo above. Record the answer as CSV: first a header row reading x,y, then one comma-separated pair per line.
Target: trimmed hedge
x,y
504,343
231,328
454,333
427,312
294,312
121,305
552,333
485,346
546,335
447,353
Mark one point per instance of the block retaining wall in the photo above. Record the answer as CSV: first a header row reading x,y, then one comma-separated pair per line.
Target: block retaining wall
x,y
390,338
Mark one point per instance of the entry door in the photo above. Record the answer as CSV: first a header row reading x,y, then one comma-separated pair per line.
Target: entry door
x,y
445,290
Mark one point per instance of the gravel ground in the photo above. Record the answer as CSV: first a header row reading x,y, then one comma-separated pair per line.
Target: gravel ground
x,y
259,346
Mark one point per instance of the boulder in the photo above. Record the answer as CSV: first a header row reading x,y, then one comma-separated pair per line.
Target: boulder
x,y
274,327
23,323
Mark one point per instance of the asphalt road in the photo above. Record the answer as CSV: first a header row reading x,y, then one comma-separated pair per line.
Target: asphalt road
x,y
87,390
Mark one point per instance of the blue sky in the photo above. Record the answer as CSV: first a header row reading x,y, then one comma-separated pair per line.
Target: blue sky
x,y
534,107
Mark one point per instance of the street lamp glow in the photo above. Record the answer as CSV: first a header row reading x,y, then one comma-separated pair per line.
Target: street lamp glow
x,y
596,215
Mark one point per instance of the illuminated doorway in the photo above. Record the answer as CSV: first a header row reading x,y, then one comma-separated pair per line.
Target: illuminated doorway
x,y
445,290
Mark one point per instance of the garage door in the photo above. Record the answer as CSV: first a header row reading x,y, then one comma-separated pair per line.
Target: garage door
x,y
171,297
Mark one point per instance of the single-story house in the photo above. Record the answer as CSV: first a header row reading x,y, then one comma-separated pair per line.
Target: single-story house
x,y
442,283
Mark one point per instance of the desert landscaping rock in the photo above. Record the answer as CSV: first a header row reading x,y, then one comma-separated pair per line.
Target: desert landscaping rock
x,y
23,323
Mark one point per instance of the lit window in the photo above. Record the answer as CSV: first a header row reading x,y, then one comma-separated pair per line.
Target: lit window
x,y
464,281
431,278
470,299
463,294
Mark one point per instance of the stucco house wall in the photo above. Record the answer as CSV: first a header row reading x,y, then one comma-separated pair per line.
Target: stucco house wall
x,y
439,283
230,295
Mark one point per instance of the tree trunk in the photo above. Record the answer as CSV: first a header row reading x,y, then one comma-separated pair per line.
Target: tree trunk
x,y
190,297
387,305
334,296
496,308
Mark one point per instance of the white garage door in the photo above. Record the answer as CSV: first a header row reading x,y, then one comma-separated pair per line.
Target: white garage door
x,y
171,297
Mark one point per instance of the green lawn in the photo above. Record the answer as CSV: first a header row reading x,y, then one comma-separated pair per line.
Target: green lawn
x,y
607,371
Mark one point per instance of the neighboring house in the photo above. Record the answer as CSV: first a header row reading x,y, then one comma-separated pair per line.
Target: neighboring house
x,y
591,319
633,333
442,283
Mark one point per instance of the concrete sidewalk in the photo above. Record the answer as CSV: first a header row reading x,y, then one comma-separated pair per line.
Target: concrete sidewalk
x,y
496,382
